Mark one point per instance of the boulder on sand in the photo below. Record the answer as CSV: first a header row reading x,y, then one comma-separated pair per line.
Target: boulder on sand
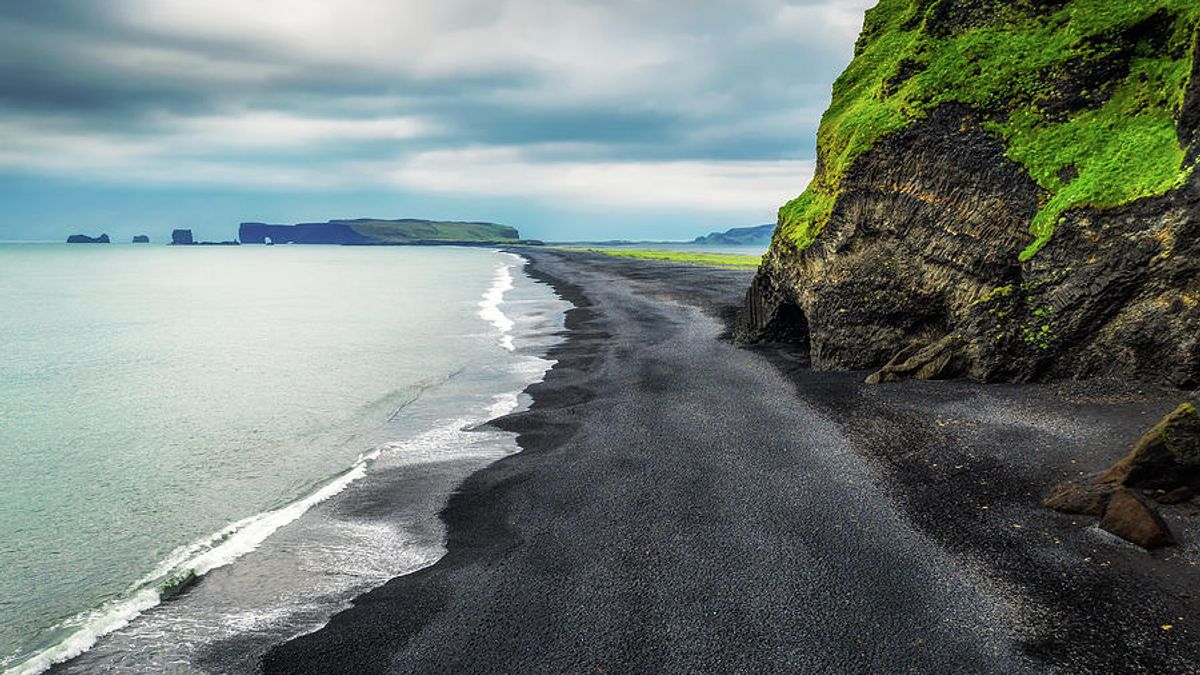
x,y
1166,458
1131,518
1089,499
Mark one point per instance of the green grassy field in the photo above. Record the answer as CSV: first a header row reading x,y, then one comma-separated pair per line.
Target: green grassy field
x,y
404,231
705,259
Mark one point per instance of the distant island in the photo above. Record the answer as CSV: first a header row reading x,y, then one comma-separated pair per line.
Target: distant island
x,y
757,235
84,239
372,231
141,239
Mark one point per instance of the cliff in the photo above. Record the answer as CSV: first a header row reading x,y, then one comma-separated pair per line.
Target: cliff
x,y
758,235
1004,191
365,231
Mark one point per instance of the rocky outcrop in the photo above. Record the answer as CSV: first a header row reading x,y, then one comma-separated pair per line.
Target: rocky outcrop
x,y
1129,517
945,236
1166,458
85,239
1085,499
141,239
182,238
1165,462
304,233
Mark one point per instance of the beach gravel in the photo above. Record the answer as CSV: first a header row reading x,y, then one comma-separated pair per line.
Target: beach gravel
x,y
685,505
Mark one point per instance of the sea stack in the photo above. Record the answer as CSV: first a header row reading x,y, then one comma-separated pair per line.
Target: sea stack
x,y
84,239
182,238
141,239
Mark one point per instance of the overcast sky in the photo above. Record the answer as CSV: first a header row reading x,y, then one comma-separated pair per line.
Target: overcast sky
x,y
566,118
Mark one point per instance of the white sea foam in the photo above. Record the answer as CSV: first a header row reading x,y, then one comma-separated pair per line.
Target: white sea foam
x,y
244,536
493,298
200,557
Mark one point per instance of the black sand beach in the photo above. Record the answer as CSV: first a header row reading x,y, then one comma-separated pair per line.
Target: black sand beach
x,y
683,505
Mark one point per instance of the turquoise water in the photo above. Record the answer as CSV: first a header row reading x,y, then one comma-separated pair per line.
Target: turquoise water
x,y
166,410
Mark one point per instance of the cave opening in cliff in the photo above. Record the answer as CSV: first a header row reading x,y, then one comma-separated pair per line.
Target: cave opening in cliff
x,y
787,325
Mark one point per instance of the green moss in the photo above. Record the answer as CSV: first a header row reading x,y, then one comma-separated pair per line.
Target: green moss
x,y
1121,148
1182,435
994,294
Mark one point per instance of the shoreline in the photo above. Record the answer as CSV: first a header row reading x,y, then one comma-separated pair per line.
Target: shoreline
x,y
490,388
514,591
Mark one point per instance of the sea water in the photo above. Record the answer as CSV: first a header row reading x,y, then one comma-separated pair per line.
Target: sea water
x,y
205,451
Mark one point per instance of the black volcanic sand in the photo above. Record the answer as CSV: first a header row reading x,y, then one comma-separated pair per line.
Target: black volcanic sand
x,y
686,505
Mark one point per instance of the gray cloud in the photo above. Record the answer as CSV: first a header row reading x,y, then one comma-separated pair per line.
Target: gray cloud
x,y
298,93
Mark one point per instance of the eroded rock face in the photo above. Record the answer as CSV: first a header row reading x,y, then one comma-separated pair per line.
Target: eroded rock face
x,y
918,271
923,248
909,246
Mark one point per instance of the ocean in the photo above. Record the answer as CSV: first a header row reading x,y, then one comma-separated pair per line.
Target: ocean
x,y
207,450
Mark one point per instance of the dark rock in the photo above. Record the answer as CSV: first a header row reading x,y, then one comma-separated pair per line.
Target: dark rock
x,y
84,239
304,233
1166,458
1131,518
888,271
917,269
141,239
938,361
182,238
1082,498
178,584
1177,496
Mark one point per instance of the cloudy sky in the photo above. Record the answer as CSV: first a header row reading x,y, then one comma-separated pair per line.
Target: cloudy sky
x,y
567,118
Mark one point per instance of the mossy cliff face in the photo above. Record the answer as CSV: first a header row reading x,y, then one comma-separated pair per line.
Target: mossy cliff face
x,y
1005,190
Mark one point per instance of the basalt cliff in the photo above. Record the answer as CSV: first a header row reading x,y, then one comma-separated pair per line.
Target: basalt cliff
x,y
1006,191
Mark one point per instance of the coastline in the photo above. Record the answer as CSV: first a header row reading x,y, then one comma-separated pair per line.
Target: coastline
x,y
620,539
240,585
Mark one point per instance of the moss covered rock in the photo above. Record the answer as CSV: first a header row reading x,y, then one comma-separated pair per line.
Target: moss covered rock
x,y
1167,457
1009,186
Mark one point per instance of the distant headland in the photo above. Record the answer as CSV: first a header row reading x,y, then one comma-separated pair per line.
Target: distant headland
x,y
349,232
372,231
757,235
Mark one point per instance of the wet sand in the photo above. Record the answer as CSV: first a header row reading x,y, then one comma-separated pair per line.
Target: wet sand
x,y
684,504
